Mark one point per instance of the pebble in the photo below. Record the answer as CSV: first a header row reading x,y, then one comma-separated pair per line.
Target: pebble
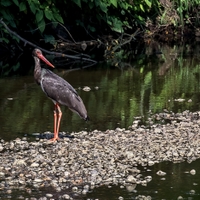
x,y
130,188
131,179
150,163
65,196
84,191
193,172
69,164
75,189
192,192
86,89
179,198
49,195
34,164
37,180
161,173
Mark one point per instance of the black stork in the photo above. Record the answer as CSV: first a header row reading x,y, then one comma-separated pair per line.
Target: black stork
x,y
58,90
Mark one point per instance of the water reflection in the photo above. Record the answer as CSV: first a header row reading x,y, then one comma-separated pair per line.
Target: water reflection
x,y
148,83
177,183
123,93
25,108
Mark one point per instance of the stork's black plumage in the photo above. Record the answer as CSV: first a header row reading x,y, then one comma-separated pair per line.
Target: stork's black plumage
x,y
58,90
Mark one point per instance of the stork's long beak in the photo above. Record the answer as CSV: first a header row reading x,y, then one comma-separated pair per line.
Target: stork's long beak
x,y
45,60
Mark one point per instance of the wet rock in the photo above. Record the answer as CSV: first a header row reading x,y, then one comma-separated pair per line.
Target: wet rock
x,y
192,192
142,197
193,172
131,187
148,178
150,163
179,100
86,89
131,179
161,173
180,198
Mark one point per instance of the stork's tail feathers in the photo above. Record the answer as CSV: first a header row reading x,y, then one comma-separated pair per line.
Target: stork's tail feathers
x,y
87,118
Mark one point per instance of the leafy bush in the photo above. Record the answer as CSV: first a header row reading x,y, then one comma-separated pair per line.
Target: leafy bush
x,y
28,15
94,16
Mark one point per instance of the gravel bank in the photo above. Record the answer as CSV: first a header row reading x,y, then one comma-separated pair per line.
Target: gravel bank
x,y
92,159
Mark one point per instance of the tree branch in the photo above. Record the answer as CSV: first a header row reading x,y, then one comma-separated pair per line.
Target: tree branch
x,y
81,58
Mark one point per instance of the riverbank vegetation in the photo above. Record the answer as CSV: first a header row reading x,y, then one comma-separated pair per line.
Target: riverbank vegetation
x,y
96,18
100,29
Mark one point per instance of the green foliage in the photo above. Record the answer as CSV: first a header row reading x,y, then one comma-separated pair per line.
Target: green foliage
x,y
118,15
40,12
180,12
94,16
49,39
6,70
26,15
187,10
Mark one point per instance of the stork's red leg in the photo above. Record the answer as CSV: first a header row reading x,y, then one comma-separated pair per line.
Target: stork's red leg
x,y
55,121
57,118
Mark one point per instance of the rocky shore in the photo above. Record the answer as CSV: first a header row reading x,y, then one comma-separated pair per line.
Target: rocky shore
x,y
91,159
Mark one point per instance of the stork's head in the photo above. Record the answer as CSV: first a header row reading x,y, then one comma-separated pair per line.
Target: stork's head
x,y
38,53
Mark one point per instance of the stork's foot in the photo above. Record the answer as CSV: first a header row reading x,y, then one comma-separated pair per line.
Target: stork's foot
x,y
54,139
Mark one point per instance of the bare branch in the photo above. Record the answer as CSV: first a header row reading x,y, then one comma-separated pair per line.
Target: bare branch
x,y
81,58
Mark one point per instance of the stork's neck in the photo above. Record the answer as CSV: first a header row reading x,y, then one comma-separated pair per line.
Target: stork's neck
x,y
37,70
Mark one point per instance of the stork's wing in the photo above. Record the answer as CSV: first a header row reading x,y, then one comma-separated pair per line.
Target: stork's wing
x,y
62,92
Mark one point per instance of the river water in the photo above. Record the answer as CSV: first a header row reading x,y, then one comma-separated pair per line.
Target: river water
x,y
143,84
